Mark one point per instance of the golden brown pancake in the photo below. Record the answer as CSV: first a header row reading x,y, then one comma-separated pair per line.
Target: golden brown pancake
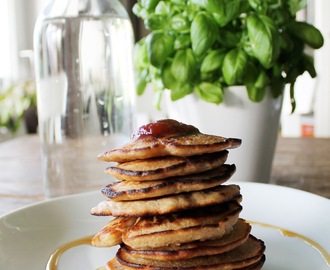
x,y
115,265
111,234
236,237
183,227
191,145
245,255
168,138
168,204
165,167
137,190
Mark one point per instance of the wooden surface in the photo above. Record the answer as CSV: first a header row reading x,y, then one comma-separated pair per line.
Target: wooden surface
x,y
299,163
303,164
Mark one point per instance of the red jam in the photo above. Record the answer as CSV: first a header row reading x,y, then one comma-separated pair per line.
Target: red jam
x,y
165,128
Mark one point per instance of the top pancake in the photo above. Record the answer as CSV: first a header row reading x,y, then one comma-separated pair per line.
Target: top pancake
x,y
174,144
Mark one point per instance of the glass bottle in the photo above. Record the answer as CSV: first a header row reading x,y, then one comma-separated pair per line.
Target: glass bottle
x,y
85,90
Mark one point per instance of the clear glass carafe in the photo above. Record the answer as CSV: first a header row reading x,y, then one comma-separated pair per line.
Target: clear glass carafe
x,y
85,89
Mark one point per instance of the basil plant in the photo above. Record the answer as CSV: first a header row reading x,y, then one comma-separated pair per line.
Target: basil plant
x,y
204,46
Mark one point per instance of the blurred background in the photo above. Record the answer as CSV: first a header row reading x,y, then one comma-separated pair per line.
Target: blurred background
x,y
17,91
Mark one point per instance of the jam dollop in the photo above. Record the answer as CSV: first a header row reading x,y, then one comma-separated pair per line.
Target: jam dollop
x,y
165,128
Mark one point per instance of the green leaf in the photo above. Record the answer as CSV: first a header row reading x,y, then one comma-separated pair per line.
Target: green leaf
x,y
180,91
296,5
169,81
139,11
159,47
141,59
179,2
224,11
256,4
234,66
308,65
307,33
256,94
210,92
277,86
264,39
292,97
228,38
184,66
149,5
155,22
141,81
180,23
286,43
201,3
255,81
202,33
182,41
213,61
163,8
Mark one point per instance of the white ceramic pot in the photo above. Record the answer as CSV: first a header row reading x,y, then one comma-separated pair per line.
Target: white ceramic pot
x,y
256,124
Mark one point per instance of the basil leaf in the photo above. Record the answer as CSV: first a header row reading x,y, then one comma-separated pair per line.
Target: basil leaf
x,y
141,54
202,33
296,5
286,43
155,22
277,85
224,11
168,79
210,92
182,41
163,8
201,3
256,4
180,23
141,81
227,38
308,65
256,94
255,82
149,5
213,61
234,66
262,80
179,2
180,91
264,39
307,33
139,11
159,47
292,98
184,66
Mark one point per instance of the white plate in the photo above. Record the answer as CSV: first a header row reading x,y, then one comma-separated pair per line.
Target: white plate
x,y
30,235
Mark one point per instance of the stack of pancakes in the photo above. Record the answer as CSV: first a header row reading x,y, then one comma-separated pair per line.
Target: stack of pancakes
x,y
170,205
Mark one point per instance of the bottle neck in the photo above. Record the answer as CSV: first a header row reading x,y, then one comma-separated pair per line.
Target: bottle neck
x,y
76,8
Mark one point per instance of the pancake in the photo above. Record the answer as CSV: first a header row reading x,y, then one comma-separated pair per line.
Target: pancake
x,y
243,256
165,167
168,204
115,265
184,227
137,190
174,139
236,237
111,234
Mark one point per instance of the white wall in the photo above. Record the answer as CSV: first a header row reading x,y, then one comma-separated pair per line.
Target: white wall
x,y
322,61
16,28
